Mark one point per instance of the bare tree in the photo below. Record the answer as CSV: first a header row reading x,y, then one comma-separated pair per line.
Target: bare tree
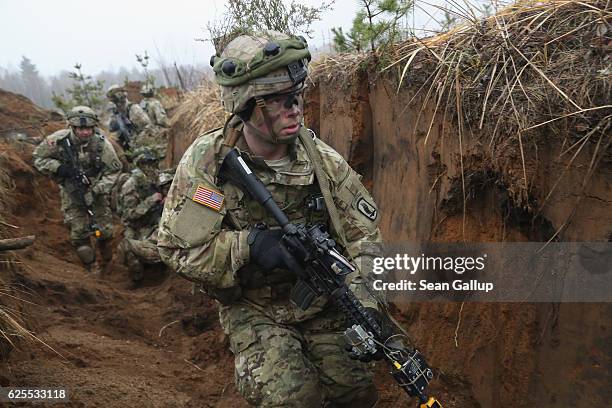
x,y
247,16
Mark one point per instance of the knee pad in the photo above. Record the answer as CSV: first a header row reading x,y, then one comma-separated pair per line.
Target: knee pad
x,y
86,254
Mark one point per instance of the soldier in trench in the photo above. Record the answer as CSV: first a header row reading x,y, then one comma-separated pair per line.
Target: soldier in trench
x,y
140,206
84,164
214,234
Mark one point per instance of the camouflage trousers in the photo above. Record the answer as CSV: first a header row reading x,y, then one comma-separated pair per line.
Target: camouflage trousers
x,y
155,138
300,365
137,252
144,250
78,220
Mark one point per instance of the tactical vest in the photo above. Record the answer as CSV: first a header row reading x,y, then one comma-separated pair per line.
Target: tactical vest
x,y
144,104
296,192
89,155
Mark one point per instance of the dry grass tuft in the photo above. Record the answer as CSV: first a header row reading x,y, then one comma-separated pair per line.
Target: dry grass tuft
x,y
531,64
339,67
534,68
11,324
200,111
542,66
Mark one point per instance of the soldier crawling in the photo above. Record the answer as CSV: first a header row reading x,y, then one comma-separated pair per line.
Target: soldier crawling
x,y
85,165
140,206
213,233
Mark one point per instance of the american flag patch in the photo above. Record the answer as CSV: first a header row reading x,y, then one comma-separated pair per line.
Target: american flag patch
x,y
208,197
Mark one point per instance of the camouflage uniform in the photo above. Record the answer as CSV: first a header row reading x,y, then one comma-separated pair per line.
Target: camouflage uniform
x,y
140,211
143,128
157,135
100,164
265,328
157,114
284,356
135,114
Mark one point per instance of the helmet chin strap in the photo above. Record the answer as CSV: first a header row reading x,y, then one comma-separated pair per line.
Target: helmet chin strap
x,y
264,111
271,134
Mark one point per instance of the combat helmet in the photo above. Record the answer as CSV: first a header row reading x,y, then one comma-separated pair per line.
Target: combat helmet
x,y
253,66
146,154
114,90
147,90
165,177
82,116
143,155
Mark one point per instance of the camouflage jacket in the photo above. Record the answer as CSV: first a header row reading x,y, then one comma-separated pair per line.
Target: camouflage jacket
x,y
209,245
96,157
156,112
134,113
136,204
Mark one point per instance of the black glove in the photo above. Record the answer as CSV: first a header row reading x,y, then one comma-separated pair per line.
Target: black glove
x,y
265,247
113,126
65,171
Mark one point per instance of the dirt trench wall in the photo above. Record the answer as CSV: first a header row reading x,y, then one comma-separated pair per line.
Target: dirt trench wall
x,y
508,355
415,169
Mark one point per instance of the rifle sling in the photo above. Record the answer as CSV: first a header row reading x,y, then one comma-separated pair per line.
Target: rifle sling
x,y
315,156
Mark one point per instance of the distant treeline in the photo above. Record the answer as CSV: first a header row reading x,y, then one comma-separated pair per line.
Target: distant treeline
x,y
27,81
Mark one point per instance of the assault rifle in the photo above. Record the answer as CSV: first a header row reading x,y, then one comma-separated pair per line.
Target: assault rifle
x,y
81,183
124,126
321,270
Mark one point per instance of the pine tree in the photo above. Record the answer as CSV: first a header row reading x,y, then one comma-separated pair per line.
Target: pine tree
x,y
377,24
33,85
143,60
84,91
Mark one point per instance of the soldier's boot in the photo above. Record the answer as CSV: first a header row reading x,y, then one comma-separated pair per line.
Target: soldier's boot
x,y
87,255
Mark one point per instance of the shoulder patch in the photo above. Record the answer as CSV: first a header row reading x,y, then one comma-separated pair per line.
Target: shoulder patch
x,y
53,138
312,133
208,197
367,209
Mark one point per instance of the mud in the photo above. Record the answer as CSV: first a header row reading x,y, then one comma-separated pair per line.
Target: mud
x,y
156,346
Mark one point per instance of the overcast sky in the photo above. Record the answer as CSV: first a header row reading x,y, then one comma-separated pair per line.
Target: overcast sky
x,y
107,34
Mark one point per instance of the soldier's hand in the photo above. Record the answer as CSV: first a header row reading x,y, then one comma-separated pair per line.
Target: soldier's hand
x,y
65,171
265,248
158,197
88,198
113,126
